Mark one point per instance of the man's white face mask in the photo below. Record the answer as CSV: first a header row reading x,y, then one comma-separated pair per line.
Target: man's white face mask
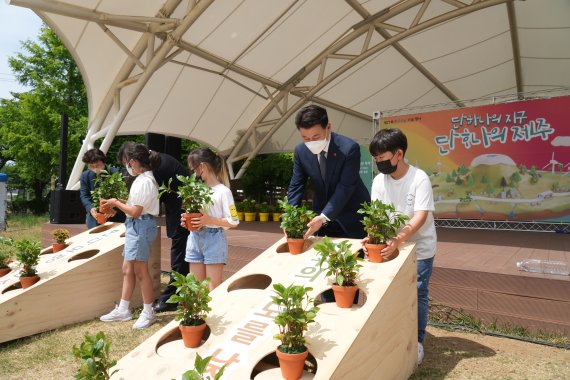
x,y
316,147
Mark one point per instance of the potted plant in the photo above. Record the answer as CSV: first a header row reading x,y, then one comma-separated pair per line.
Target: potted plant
x,y
296,311
95,361
263,212
59,237
28,254
381,222
192,297
294,221
248,206
239,209
195,195
107,186
343,266
276,215
6,248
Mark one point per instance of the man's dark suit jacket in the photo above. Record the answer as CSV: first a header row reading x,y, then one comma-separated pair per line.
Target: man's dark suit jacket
x,y
170,167
342,192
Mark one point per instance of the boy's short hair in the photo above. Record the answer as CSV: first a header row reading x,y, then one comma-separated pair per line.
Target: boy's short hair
x,y
388,140
310,116
94,155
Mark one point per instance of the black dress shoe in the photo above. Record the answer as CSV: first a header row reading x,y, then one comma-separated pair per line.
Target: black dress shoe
x,y
160,307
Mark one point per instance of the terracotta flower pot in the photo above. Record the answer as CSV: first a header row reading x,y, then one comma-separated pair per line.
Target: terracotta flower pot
x,y
188,221
103,207
250,216
101,218
276,216
374,255
56,247
192,335
291,364
264,217
26,282
295,245
344,295
4,271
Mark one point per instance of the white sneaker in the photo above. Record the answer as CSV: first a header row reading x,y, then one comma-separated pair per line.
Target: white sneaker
x,y
420,353
116,315
145,320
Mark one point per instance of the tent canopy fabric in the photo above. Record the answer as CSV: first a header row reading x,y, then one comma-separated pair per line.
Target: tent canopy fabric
x,y
232,74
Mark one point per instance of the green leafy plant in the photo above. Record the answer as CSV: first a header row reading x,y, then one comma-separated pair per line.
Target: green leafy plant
x,y
6,251
263,207
192,297
95,360
109,186
60,235
294,219
343,264
195,194
296,311
28,254
198,373
381,221
248,205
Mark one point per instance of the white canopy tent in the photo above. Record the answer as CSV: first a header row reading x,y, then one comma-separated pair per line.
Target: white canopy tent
x,y
232,74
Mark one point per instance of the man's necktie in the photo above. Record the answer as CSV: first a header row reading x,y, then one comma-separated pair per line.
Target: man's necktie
x,y
323,164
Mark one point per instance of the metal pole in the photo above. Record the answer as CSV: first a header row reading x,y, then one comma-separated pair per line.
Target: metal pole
x,y
63,152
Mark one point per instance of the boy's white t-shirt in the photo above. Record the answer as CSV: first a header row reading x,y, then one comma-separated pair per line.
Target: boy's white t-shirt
x,y
144,192
410,193
223,206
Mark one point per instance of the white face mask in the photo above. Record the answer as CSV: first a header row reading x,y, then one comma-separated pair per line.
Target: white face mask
x,y
130,170
316,147
96,170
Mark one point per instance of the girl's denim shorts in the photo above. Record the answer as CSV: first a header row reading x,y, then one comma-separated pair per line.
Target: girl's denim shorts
x,y
208,246
139,236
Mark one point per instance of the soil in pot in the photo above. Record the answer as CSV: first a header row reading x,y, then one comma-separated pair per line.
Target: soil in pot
x,y
192,335
26,282
344,295
295,245
188,220
291,364
374,255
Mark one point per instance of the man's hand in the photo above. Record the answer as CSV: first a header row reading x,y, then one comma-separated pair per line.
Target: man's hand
x,y
314,225
93,212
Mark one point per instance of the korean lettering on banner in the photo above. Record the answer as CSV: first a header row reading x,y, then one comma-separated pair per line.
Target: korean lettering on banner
x,y
470,130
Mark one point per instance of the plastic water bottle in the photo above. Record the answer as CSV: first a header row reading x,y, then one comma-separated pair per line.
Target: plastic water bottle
x,y
544,266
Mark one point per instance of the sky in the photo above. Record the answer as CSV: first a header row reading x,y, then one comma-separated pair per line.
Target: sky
x,y
16,24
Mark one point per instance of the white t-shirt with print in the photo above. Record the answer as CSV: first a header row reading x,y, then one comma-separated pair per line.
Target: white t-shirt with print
x,y
144,192
410,193
224,205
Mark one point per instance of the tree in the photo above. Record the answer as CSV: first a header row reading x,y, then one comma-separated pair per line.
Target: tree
x,y
30,122
265,173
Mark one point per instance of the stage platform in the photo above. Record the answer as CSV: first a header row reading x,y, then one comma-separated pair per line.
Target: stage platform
x,y
474,270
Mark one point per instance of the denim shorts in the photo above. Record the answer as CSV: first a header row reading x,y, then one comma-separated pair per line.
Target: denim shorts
x,y
208,246
139,236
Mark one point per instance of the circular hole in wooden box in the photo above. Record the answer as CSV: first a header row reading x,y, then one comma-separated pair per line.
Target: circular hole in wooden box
x,y
102,228
284,248
14,286
252,281
170,345
84,255
268,367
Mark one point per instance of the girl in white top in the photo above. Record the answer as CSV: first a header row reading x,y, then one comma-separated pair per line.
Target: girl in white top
x,y
141,209
207,248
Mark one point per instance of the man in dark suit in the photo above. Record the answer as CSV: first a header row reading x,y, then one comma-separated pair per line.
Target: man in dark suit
x,y
169,168
332,162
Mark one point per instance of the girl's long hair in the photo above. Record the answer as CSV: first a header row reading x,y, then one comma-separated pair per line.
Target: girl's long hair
x,y
214,160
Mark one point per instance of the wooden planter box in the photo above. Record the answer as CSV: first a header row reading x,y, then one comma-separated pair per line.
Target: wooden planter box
x,y
379,340
79,283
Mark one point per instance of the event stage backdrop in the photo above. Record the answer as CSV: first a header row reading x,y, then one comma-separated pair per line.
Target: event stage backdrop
x,y
499,162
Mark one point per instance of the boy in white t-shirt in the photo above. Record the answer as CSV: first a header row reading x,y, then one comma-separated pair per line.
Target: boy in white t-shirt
x,y
207,248
409,189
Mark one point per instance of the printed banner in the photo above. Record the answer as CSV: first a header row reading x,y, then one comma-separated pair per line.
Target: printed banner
x,y
498,162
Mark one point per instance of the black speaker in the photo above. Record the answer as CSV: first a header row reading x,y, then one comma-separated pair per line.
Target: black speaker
x,y
66,207
173,146
154,141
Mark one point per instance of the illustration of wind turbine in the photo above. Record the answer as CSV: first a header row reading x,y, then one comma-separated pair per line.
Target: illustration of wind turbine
x,y
552,163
